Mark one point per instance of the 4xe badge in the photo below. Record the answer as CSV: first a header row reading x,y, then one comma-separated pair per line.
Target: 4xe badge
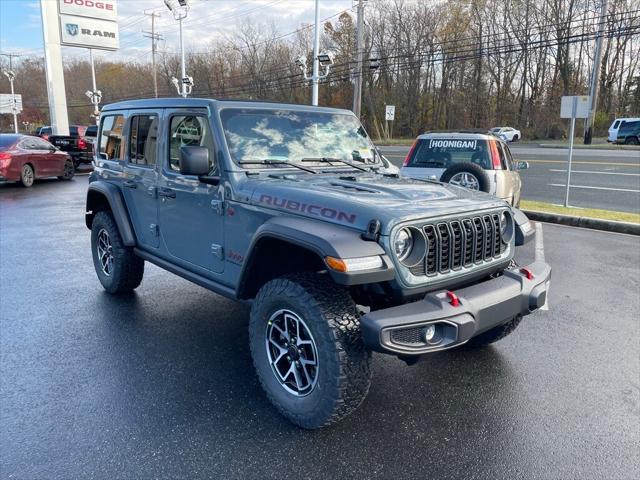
x,y
72,29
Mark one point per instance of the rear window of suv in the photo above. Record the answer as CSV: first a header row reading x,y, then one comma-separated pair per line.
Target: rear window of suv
x,y
444,152
628,126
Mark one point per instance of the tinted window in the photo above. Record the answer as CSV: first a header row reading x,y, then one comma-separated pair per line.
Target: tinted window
x,y
40,144
73,131
143,135
189,130
44,131
110,147
615,124
29,143
92,131
628,126
444,152
7,141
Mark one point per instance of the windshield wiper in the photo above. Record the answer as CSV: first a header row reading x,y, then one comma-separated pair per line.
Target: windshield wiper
x,y
275,161
331,160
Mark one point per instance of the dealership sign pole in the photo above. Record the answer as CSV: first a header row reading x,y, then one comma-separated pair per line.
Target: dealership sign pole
x,y
53,68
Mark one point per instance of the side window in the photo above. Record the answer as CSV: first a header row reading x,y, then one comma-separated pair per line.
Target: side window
x,y
143,136
508,156
110,145
190,130
503,157
615,124
28,143
40,144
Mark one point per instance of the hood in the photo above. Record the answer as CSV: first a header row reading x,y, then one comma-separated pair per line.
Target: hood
x,y
356,199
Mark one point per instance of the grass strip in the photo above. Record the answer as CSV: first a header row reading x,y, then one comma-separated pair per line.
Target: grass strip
x,y
580,212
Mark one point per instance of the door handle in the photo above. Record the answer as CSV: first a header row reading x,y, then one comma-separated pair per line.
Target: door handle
x,y
130,184
166,192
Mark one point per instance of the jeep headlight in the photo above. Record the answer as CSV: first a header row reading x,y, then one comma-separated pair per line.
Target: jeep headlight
x,y
403,244
506,227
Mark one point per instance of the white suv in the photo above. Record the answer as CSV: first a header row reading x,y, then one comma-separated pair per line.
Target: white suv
x,y
472,160
615,126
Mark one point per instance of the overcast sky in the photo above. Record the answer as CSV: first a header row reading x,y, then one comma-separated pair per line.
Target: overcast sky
x,y
21,26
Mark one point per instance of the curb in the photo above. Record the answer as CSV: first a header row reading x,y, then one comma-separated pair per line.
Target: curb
x,y
584,222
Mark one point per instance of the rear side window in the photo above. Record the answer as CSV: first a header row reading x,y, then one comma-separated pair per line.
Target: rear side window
x,y
628,126
444,152
189,130
143,136
615,124
110,146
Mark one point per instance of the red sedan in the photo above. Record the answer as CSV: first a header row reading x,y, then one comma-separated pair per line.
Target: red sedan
x,y
24,158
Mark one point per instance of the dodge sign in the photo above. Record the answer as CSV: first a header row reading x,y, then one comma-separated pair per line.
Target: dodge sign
x,y
88,32
101,10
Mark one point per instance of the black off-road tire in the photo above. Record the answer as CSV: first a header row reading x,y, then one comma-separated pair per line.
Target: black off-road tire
x,y
27,176
344,368
515,138
69,171
472,168
632,141
127,268
495,334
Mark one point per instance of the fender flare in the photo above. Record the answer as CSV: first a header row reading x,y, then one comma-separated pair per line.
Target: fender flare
x,y
111,193
524,231
323,239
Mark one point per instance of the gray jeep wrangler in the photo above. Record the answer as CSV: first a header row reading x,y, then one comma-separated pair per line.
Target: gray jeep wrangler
x,y
289,208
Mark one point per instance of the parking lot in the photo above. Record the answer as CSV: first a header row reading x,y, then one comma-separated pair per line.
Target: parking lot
x,y
601,178
159,384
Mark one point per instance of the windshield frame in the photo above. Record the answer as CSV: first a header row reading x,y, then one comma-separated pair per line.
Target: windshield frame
x,y
321,167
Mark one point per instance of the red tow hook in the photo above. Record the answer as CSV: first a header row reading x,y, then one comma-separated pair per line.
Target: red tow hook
x,y
527,273
453,299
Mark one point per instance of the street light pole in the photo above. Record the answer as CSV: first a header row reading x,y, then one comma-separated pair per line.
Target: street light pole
x,y
357,88
180,12
95,95
183,68
315,78
595,76
14,108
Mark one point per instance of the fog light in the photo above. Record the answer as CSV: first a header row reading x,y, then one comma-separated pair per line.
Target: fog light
x,y
429,333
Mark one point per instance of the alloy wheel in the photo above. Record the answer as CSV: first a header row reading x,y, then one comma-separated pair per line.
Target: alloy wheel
x,y
292,352
27,175
466,180
105,252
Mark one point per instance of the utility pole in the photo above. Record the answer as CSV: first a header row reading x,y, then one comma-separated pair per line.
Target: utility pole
x,y
11,77
595,75
11,56
180,11
154,46
315,79
357,88
95,95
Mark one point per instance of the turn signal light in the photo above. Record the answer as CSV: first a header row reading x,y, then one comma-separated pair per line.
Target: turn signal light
x,y
527,273
453,299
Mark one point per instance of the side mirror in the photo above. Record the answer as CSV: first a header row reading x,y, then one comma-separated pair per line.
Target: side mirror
x,y
522,165
194,161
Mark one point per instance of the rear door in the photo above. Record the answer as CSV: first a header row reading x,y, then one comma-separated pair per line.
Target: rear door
x,y
39,156
140,174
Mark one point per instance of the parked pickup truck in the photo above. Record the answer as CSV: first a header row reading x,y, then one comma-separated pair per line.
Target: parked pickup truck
x,y
288,209
79,147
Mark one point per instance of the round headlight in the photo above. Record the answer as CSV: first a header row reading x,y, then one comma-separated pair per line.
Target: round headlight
x,y
506,227
504,220
402,244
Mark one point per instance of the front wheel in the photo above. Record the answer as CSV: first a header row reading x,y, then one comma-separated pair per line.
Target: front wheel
x,y
307,349
118,268
515,138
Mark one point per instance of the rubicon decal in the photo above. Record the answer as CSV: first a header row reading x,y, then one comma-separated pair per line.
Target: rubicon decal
x,y
311,209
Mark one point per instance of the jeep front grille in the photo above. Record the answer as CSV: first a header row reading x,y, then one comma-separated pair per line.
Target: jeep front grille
x,y
460,243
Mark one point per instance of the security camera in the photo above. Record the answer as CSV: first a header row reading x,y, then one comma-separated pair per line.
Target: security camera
x,y
325,59
301,61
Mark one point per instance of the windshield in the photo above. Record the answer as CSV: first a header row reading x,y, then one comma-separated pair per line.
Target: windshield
x,y
444,152
294,136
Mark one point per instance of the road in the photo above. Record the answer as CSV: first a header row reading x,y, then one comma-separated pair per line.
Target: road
x,y
608,179
159,384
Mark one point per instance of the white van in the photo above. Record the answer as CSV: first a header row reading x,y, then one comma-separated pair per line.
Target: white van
x,y
615,126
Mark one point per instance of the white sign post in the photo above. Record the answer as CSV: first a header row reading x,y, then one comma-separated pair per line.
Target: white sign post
x,y
573,107
390,115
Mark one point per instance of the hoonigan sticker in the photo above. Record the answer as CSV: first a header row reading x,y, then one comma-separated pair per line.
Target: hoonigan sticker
x,y
469,144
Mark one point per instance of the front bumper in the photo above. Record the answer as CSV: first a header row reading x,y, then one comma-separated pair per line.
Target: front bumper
x,y
401,330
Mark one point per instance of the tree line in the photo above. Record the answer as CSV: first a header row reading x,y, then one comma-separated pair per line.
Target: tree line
x,y
444,65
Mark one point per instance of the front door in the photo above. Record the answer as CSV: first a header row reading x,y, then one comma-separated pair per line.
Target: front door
x,y
191,212
140,175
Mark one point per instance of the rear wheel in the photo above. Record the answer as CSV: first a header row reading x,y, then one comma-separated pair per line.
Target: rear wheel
x,y
118,268
69,171
307,350
468,175
515,138
632,141
27,175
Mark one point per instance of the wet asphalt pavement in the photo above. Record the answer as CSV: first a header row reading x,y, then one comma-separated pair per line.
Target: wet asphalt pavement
x,y
159,384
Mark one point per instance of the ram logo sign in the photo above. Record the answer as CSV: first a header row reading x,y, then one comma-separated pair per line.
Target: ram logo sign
x,y
89,32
